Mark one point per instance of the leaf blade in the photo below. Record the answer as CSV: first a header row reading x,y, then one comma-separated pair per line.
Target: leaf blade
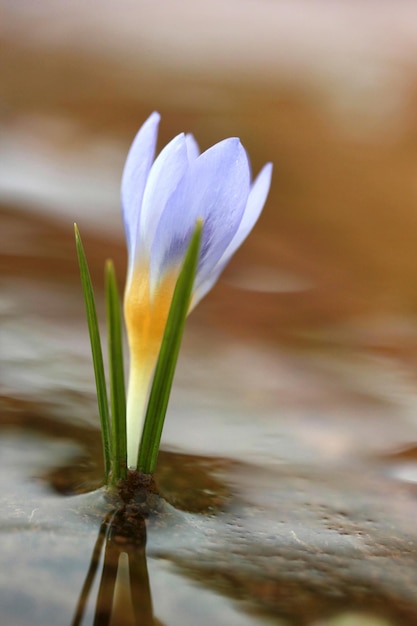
x,y
96,351
167,358
116,370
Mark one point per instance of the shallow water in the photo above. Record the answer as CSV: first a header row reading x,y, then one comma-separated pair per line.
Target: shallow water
x,y
289,466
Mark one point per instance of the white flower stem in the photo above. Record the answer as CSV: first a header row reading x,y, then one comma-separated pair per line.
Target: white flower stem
x,y
137,396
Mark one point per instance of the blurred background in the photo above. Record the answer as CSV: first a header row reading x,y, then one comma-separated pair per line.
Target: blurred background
x,y
327,91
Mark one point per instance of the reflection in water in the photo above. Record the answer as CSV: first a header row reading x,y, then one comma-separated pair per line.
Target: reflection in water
x,y
124,595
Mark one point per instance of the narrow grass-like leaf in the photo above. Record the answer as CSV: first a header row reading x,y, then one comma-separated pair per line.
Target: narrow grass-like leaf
x,y
167,358
93,329
117,383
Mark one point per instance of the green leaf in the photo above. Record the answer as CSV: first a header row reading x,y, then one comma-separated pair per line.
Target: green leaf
x,y
93,329
167,358
117,382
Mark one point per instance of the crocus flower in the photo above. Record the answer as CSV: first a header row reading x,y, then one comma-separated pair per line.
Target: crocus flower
x,y
162,199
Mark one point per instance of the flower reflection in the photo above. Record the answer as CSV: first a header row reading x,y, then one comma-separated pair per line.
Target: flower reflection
x,y
124,594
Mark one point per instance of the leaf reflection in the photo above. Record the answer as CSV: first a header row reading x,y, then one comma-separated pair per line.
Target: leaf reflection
x,y
124,594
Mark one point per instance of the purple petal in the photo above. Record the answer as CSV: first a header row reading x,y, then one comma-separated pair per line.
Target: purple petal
x,y
204,287
254,206
215,188
166,173
138,164
193,149
256,201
